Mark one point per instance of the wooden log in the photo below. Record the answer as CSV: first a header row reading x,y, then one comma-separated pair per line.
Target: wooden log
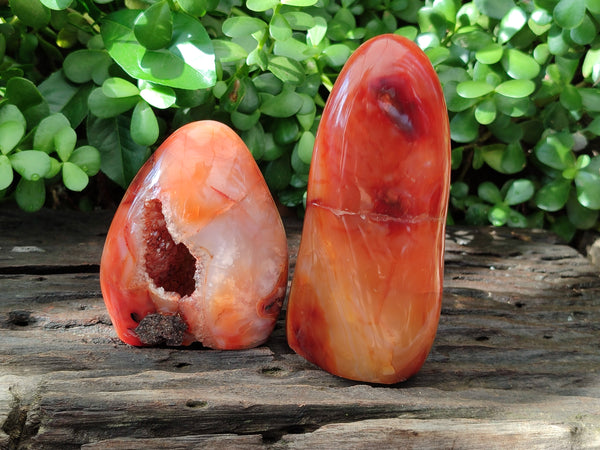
x,y
516,362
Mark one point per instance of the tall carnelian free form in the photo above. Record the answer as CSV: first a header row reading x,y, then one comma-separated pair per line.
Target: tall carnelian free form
x,y
196,250
366,294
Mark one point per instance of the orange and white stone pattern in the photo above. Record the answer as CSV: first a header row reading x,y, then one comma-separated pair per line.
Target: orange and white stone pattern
x,y
366,294
196,250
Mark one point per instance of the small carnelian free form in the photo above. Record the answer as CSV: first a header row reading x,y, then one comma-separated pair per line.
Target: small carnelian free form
x,y
196,250
366,294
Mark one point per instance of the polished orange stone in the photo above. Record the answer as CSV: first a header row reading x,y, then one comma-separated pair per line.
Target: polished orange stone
x,y
196,250
366,294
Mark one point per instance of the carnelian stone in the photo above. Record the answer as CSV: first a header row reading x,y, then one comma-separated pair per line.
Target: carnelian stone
x,y
196,250
366,294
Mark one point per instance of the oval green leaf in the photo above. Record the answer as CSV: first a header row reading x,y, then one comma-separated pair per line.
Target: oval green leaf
x,y
243,121
516,88
489,192
43,139
242,26
317,32
519,191
64,142
336,55
485,112
188,62
464,127
105,107
511,24
299,20
279,28
591,64
30,195
23,93
227,51
569,13
490,54
261,5
30,164
520,65
153,27
580,216
11,133
144,126
31,12
588,189
498,215
73,177
118,87
473,89
554,153
10,113
285,104
553,196
87,158
161,97
287,70
306,144
505,159
585,32
6,172
82,66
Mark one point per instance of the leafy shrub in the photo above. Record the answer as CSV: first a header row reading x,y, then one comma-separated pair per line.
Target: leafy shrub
x,y
95,85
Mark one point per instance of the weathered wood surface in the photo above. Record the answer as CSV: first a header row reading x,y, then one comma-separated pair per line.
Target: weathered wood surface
x,y
516,363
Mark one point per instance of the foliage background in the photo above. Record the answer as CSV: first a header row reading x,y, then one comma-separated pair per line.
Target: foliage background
x,y
89,88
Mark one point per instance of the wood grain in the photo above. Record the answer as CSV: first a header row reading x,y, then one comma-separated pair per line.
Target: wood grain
x,y
515,364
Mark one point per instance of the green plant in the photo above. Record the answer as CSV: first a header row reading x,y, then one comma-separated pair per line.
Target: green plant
x,y
520,82
519,78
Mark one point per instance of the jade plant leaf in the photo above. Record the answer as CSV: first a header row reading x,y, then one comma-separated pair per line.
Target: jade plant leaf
x,y
473,89
64,142
144,126
588,189
554,195
74,178
43,139
516,88
511,24
6,172
554,153
489,192
87,158
519,191
520,65
11,133
30,195
569,13
30,164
